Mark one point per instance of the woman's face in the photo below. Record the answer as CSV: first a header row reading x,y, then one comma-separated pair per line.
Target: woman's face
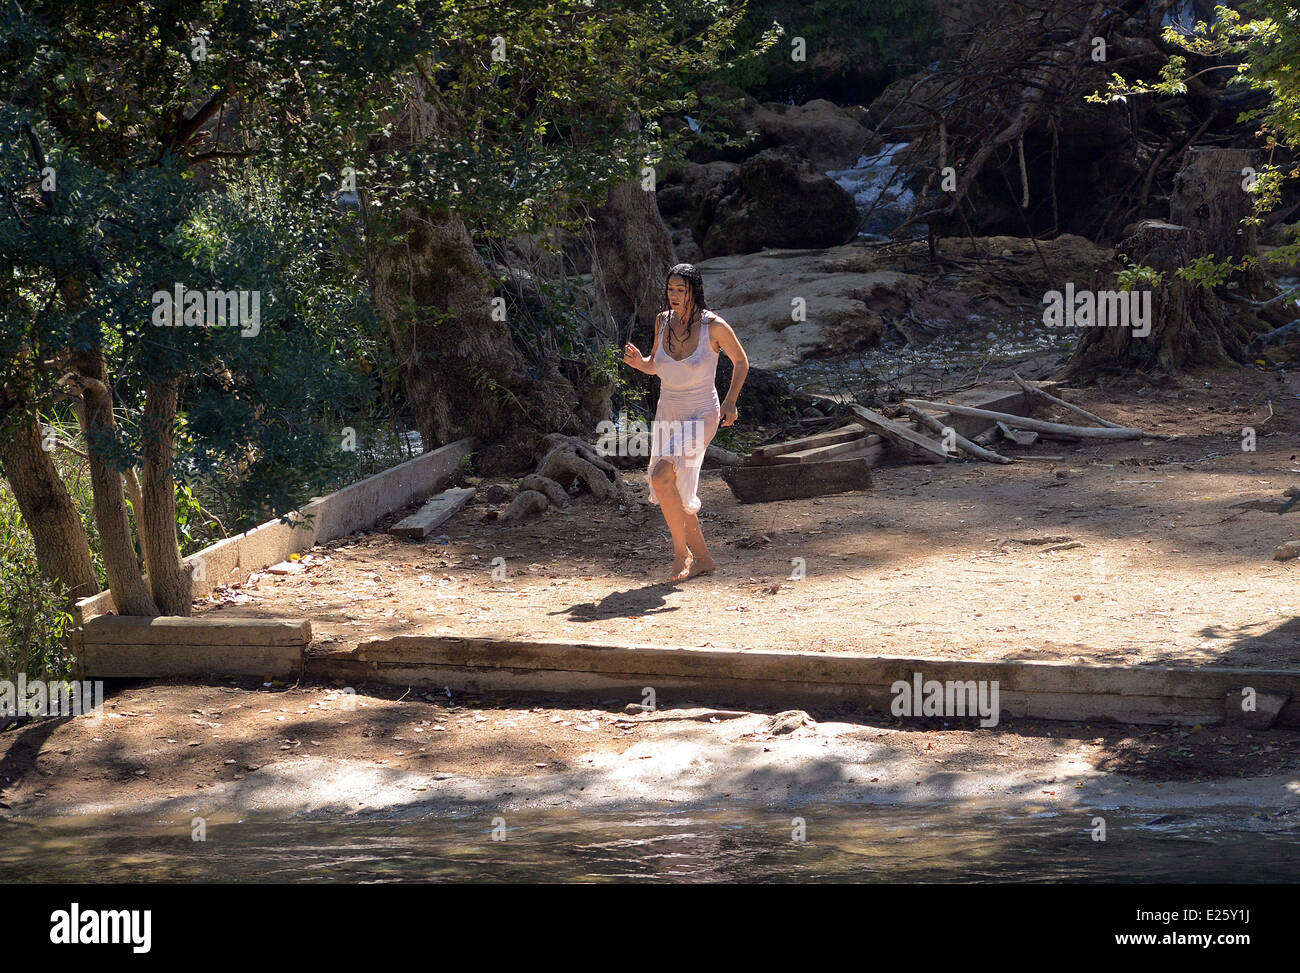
x,y
678,292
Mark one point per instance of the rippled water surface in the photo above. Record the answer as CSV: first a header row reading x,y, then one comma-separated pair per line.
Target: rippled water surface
x,y
937,843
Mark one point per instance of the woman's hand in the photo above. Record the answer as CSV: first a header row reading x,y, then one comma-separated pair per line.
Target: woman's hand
x,y
632,356
729,413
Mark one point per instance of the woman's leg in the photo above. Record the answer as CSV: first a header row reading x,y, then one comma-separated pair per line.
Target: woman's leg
x,y
702,562
664,480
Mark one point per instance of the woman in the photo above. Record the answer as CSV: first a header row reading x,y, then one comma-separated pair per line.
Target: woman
x,y
688,337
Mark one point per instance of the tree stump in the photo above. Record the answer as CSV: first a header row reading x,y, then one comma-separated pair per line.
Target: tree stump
x,y
1210,196
1188,324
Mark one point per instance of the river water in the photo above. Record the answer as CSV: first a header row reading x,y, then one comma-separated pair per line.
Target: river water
x,y
943,843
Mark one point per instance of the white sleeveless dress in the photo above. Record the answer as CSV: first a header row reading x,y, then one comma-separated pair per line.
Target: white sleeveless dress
x,y
687,415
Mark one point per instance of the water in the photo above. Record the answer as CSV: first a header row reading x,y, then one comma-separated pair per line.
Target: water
x,y
984,341
844,843
875,177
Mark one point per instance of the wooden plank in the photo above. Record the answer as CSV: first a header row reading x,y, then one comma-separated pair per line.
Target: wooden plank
x,y
1038,425
205,629
793,481
901,436
819,453
433,513
872,454
830,438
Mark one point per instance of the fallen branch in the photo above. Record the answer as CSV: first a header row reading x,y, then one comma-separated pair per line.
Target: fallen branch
x,y
1035,390
1038,425
977,451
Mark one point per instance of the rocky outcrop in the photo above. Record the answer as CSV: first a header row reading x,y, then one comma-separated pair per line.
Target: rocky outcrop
x,y
778,200
828,136
765,294
851,296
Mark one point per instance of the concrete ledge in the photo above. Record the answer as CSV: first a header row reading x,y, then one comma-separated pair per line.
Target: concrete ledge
x,y
1041,690
116,646
336,515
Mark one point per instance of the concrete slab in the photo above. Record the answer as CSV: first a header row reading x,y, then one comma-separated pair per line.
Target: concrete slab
x,y
110,646
1041,690
433,513
336,515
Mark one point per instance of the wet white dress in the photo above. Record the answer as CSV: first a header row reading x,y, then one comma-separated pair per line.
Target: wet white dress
x,y
687,415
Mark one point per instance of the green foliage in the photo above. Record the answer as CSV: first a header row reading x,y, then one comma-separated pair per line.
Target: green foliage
x,y
1262,45
900,34
1137,276
1210,273
33,622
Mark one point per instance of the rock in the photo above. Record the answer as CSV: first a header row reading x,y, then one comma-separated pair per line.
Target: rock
x,y
781,202
1287,551
788,721
686,192
529,503
495,493
632,709
828,136
844,310
684,245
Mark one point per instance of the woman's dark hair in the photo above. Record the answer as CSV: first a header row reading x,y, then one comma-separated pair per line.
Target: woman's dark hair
x,y
695,302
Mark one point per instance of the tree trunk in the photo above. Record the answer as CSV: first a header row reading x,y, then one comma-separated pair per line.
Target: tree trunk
x,y
60,540
1209,196
168,578
461,372
1188,324
631,252
129,591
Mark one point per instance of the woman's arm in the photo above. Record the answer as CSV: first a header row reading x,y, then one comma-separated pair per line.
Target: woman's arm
x,y
632,354
730,344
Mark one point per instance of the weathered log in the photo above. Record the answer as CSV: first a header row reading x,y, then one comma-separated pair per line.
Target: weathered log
x,y
977,451
1038,425
1275,337
1034,390
794,481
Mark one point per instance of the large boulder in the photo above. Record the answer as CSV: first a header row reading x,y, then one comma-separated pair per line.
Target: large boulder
x,y
685,192
827,135
780,201
763,294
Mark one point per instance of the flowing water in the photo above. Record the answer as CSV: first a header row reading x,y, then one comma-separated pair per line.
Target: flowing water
x,y
881,189
843,843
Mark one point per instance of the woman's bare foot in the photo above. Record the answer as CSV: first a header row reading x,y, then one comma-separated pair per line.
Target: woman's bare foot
x,y
681,570
701,565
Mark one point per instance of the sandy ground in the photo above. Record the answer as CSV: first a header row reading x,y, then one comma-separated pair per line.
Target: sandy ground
x,y
166,747
933,561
